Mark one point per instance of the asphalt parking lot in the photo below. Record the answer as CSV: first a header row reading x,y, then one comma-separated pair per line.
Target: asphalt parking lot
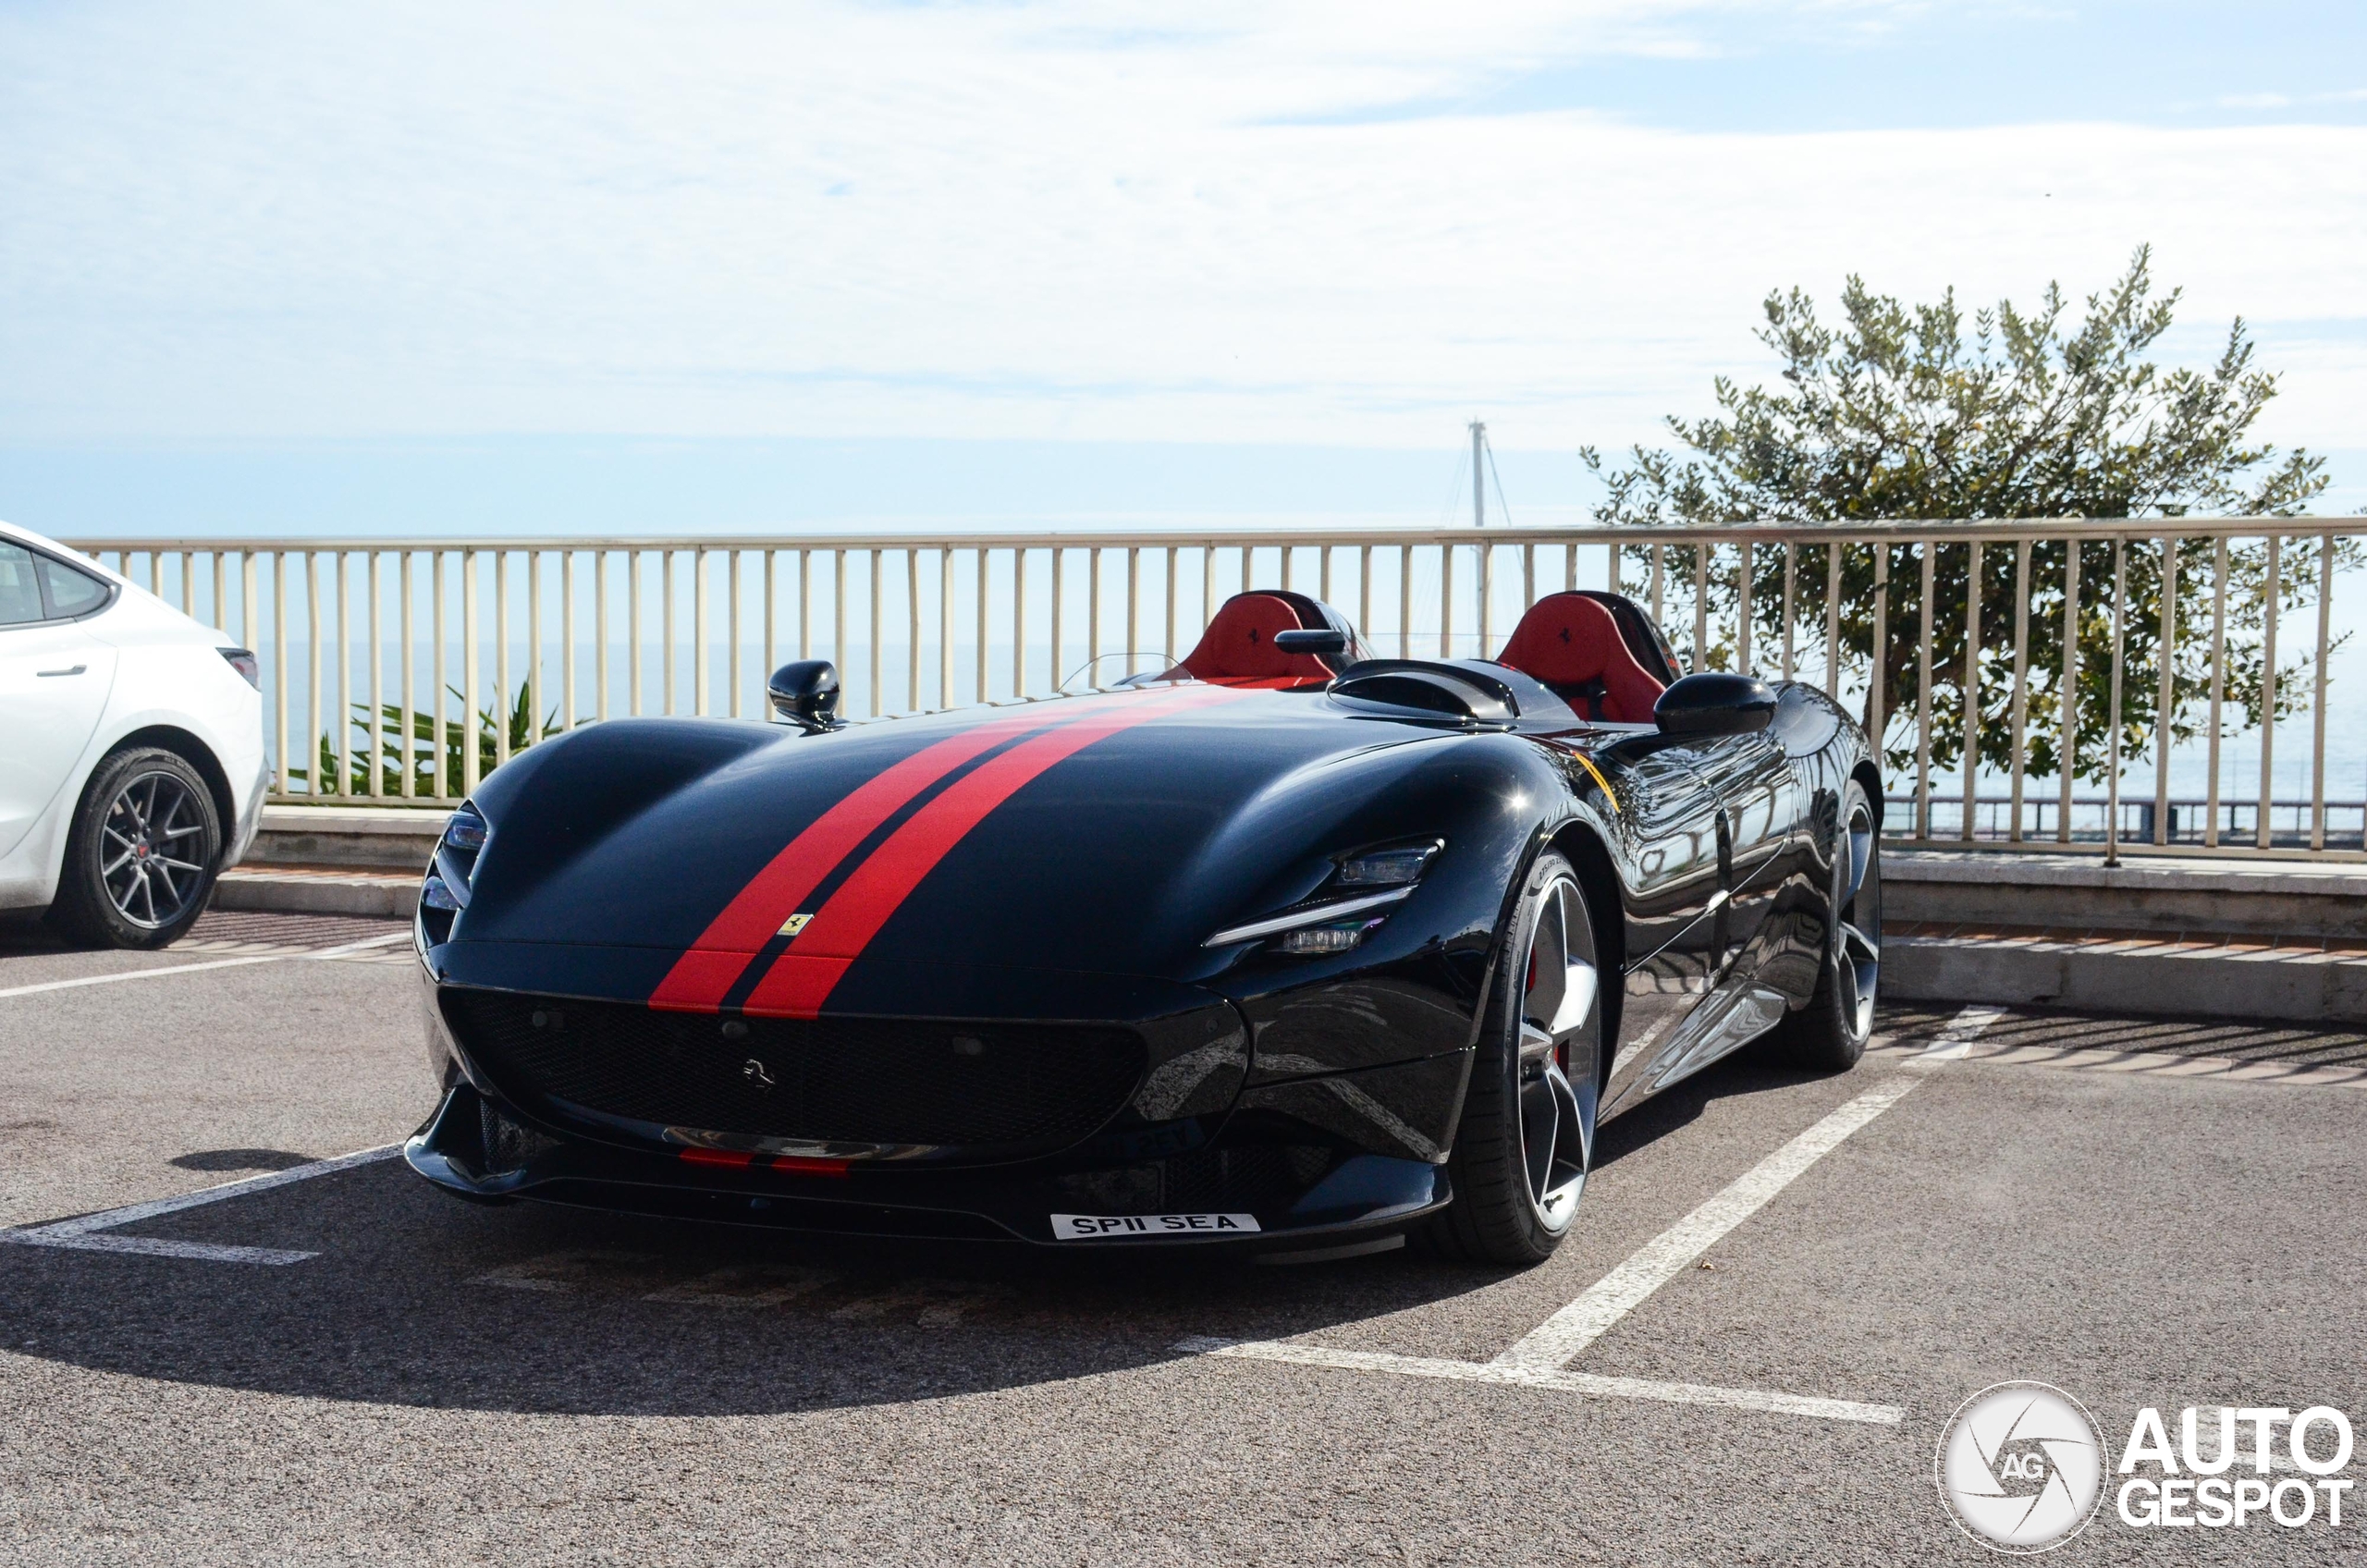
x,y
1780,1288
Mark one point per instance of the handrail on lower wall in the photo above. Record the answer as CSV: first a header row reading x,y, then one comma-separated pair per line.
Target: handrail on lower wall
x,y
404,669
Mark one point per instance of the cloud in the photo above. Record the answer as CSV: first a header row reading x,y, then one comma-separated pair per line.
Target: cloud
x,y
1117,222
2290,100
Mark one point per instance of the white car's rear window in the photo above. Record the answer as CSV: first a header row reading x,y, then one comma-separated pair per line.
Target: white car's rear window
x,y
19,594
70,592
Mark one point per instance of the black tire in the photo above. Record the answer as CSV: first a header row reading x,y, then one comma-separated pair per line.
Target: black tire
x,y
141,855
1525,1141
1829,1034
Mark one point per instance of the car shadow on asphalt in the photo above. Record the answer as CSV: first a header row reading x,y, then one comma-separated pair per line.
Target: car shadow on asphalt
x,y
418,1299
1754,1069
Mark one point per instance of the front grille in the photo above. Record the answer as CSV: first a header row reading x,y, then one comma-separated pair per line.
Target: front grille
x,y
1262,1177
855,1080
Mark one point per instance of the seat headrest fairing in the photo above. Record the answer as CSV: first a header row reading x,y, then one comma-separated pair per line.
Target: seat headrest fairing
x,y
1571,644
1238,647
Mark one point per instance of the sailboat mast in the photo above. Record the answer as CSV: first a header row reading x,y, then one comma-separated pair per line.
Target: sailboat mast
x,y
1478,485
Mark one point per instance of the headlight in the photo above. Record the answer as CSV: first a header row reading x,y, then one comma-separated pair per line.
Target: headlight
x,y
1337,937
1396,867
455,865
467,831
1364,886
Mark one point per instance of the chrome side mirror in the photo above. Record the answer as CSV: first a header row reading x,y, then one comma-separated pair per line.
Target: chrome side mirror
x,y
806,693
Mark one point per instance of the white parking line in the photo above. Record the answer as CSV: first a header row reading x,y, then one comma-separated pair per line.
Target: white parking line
x,y
1539,1359
1546,1377
78,1233
337,951
1557,1341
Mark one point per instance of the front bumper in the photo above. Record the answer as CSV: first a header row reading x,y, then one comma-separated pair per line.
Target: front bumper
x,y
1300,1197
1321,1160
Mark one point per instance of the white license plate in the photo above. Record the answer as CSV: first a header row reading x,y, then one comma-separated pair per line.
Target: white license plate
x,y
1098,1227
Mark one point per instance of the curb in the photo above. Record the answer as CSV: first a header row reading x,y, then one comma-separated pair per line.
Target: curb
x,y
2102,976
317,892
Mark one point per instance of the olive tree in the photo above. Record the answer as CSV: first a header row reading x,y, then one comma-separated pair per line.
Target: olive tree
x,y
1910,412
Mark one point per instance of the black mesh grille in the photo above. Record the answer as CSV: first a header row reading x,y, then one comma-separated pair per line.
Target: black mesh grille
x,y
865,1081
1255,1176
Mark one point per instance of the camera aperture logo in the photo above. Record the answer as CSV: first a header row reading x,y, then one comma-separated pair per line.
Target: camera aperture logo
x,y
2021,1467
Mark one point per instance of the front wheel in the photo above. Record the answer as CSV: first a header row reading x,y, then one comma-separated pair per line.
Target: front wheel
x,y
140,855
1527,1138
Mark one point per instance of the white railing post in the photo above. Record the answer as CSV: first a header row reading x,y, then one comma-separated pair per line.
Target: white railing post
x,y
438,696
1970,706
532,688
470,761
1927,553
2318,703
1743,610
2218,685
407,741
666,625
2165,688
2022,591
632,633
945,625
2112,710
2263,829
600,633
702,619
503,697
2071,705
279,663
312,671
567,639
377,678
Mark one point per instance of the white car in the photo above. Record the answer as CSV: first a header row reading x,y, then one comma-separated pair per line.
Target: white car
x,y
131,756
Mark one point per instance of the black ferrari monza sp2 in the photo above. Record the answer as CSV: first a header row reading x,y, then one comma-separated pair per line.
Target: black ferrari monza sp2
x,y
1287,947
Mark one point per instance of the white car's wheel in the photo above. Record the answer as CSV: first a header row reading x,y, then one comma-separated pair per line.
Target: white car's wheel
x,y
141,855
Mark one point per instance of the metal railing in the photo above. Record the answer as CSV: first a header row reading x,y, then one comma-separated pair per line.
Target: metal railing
x,y
403,669
2291,822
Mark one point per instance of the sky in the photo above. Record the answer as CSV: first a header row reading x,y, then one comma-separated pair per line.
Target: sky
x,y
446,268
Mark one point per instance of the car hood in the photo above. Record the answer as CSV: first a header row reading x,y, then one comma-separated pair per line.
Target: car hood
x,y
716,863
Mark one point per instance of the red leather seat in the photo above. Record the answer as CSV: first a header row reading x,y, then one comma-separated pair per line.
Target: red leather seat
x,y
1238,647
1571,644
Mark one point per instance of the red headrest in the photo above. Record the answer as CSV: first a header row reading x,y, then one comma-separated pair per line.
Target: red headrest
x,y
1570,642
1238,647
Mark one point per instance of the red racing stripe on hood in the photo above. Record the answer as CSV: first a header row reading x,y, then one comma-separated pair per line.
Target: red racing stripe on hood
x,y
802,978
703,975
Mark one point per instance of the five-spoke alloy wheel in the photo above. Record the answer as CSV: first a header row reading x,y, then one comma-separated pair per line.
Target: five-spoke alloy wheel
x,y
1527,1138
1829,1034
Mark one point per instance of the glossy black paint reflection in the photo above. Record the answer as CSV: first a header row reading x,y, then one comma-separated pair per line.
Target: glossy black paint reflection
x,y
1090,893
805,693
1714,703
